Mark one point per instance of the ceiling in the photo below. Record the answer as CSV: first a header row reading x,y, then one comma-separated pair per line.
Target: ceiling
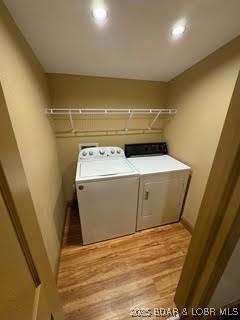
x,y
135,42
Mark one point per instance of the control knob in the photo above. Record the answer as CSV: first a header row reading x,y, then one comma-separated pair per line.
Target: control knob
x,y
102,152
84,153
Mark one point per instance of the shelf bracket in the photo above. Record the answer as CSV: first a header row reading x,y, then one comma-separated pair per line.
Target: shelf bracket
x,y
128,120
72,123
154,120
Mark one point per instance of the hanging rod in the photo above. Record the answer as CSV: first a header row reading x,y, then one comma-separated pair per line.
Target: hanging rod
x,y
108,111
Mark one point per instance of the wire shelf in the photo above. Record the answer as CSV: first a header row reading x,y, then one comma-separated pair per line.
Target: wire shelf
x,y
107,111
130,113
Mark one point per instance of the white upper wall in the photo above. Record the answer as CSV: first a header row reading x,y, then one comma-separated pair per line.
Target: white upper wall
x,y
135,43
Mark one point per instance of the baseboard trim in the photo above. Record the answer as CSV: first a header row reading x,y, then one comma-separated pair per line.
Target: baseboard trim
x,y
67,208
187,225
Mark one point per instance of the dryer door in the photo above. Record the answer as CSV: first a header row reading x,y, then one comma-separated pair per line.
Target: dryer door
x,y
162,198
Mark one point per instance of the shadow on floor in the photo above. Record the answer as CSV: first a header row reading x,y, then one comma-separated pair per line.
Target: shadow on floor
x,y
72,231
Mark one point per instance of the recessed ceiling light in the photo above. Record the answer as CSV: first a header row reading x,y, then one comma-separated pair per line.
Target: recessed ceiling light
x,y
99,14
178,30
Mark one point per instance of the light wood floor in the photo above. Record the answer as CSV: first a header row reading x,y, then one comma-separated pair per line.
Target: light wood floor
x,y
105,280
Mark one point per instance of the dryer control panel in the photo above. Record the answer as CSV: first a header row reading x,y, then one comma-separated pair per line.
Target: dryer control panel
x,y
98,153
146,149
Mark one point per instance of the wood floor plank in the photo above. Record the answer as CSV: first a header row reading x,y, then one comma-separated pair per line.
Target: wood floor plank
x,y
105,280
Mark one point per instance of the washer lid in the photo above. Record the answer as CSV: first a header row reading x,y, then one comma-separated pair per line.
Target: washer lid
x,y
155,164
104,169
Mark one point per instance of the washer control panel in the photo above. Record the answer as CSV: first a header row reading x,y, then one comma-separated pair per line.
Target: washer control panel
x,y
97,153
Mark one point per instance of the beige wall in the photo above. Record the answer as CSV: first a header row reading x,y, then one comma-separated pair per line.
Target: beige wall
x,y
25,89
68,90
201,95
96,91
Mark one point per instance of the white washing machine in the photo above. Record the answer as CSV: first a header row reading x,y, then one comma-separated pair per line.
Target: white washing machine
x,y
107,191
163,184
